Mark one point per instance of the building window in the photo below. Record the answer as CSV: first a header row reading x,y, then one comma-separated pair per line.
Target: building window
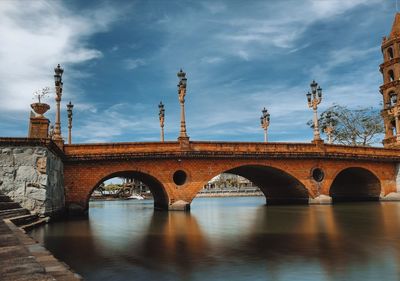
x,y
393,98
390,53
391,75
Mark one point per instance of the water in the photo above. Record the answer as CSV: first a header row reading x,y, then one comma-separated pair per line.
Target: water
x,y
230,239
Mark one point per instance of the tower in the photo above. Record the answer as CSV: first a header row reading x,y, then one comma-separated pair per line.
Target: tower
x,y
390,89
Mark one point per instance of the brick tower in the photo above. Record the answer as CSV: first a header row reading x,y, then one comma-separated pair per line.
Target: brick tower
x,y
390,89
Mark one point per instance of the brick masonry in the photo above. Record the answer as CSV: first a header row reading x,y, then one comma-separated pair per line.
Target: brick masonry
x,y
282,171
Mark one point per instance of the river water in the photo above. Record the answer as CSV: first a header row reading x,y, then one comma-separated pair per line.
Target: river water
x,y
230,239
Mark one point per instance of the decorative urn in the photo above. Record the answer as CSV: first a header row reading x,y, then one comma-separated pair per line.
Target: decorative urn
x,y
40,108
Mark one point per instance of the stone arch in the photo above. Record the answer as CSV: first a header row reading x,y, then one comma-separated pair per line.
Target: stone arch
x,y
355,184
278,186
156,187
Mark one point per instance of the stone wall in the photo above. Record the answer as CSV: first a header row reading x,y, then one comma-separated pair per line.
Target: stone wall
x,y
33,177
398,177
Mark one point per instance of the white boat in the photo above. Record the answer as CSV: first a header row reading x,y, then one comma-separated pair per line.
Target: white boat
x,y
135,196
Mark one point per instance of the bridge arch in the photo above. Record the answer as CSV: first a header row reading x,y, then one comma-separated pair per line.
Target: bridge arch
x,y
157,189
278,186
355,184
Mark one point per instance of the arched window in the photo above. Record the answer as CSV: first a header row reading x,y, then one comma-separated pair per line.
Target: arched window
x,y
391,75
393,98
390,53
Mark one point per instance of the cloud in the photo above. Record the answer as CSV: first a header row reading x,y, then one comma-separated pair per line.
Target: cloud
x,y
211,60
281,25
112,124
131,64
214,7
35,36
345,56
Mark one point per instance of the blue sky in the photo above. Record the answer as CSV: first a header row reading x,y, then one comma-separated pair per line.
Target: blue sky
x,y
121,58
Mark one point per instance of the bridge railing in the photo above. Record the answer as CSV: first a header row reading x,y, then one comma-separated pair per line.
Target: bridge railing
x,y
230,149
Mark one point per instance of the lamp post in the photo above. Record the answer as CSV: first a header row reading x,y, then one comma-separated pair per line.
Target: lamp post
x,y
59,84
394,110
329,128
161,115
70,106
51,131
265,122
181,93
314,99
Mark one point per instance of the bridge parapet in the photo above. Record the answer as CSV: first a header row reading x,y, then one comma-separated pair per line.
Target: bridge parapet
x,y
227,149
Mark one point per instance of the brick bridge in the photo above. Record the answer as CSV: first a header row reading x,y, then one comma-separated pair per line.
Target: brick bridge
x,y
285,172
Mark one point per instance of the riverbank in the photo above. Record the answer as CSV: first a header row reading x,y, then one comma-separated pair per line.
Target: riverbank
x,y
205,193
23,259
229,193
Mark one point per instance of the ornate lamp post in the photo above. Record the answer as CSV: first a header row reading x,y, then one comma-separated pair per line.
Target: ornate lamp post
x,y
181,93
329,128
59,84
161,115
51,131
394,110
70,106
265,122
314,99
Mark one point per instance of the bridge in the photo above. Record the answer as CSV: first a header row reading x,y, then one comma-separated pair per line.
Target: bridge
x,y
285,172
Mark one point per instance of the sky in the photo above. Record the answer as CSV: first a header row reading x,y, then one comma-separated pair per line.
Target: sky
x,y
120,59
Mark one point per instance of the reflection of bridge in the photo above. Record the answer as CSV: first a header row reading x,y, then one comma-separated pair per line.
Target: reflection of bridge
x,y
285,172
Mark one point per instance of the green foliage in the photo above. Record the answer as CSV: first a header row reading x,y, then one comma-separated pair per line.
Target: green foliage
x,y
351,126
112,187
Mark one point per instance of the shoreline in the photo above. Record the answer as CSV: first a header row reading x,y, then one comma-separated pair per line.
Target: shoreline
x,y
23,257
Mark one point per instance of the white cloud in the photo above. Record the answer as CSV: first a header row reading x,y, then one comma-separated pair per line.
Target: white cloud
x,y
211,60
282,24
131,64
35,36
113,123
214,7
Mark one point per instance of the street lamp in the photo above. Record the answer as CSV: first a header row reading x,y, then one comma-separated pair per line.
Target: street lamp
x,y
161,115
329,128
58,84
394,110
314,99
181,94
70,106
265,122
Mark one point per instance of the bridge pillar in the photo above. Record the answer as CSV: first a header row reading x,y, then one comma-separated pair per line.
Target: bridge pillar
x,y
394,196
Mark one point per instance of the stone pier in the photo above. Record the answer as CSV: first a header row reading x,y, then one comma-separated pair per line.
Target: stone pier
x,y
31,173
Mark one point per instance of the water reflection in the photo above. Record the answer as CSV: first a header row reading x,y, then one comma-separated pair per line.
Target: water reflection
x,y
234,238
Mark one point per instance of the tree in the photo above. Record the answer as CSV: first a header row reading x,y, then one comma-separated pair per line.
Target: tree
x,y
351,126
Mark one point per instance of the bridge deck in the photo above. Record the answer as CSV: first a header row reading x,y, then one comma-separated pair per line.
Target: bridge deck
x,y
227,149
209,149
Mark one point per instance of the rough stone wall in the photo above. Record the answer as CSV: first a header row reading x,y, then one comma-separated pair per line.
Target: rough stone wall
x,y
33,177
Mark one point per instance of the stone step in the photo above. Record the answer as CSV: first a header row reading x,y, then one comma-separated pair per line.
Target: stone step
x,y
5,214
39,221
9,205
24,220
5,198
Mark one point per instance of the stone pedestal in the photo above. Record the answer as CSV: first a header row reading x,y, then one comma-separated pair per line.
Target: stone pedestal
x,y
184,143
39,127
319,142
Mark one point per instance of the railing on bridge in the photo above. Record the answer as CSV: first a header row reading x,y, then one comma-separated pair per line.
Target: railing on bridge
x,y
207,149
